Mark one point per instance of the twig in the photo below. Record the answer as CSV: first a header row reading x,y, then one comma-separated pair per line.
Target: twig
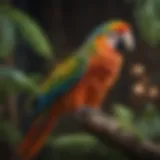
x,y
107,130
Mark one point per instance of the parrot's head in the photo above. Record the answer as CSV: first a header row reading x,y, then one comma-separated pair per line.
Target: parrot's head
x,y
117,34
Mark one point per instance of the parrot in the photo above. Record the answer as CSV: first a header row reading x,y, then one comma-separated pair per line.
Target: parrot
x,y
80,81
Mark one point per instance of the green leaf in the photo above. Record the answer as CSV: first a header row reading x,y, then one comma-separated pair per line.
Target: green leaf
x,y
9,132
31,32
148,123
150,112
7,36
74,140
13,80
148,21
73,144
149,129
81,146
139,3
123,113
36,77
125,117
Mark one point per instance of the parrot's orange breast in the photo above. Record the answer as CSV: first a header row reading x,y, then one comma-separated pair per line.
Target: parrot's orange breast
x,y
95,84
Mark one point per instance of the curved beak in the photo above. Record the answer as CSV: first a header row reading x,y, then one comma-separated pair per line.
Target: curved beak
x,y
129,41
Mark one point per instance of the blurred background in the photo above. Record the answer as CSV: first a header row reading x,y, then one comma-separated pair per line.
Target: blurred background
x,y
67,23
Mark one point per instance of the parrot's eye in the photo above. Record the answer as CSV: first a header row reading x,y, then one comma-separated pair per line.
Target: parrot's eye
x,y
120,46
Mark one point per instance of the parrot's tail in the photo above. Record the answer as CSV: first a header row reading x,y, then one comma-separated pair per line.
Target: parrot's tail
x,y
38,134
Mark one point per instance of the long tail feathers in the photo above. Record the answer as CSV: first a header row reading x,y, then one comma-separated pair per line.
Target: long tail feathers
x,y
38,134
32,132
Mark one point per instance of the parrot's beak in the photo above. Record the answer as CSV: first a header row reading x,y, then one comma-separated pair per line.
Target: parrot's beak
x,y
128,41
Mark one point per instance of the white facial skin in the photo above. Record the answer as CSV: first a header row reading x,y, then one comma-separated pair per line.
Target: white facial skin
x,y
113,38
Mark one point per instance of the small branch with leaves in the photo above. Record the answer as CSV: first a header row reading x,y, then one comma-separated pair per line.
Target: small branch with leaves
x,y
109,132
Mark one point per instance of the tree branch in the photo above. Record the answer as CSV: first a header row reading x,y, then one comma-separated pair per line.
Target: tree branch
x,y
107,130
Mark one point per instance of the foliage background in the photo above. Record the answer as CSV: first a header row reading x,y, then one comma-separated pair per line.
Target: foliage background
x,y
67,23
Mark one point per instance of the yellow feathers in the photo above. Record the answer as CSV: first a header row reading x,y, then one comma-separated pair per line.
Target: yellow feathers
x,y
62,70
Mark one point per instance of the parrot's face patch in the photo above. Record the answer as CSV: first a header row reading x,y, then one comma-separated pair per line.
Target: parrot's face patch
x,y
123,42
120,36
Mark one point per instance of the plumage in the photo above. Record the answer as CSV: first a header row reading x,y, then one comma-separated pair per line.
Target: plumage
x,y
81,80
60,81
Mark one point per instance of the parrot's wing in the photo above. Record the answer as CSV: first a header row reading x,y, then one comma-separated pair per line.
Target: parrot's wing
x,y
60,81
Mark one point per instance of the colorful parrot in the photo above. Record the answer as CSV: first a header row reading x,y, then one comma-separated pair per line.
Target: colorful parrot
x,y
81,81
